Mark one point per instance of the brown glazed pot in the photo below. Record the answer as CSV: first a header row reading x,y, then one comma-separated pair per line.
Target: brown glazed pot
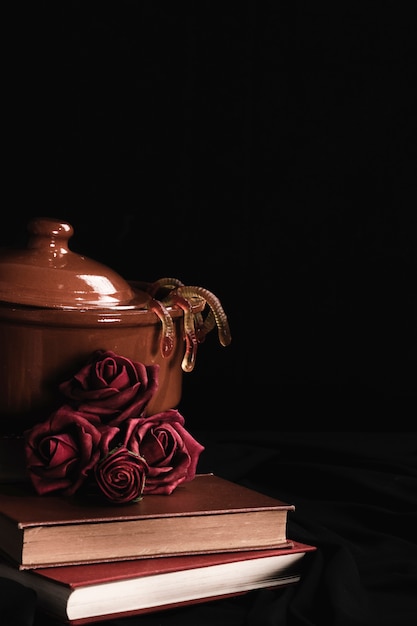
x,y
56,308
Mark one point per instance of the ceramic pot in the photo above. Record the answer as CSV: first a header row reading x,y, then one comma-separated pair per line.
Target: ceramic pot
x,y
56,308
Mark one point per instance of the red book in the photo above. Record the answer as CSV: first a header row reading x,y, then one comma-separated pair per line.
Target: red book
x,y
207,514
81,594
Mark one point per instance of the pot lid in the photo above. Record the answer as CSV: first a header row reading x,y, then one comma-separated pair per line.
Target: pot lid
x,y
48,274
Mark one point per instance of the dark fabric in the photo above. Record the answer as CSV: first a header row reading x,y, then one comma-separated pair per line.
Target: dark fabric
x,y
17,604
355,495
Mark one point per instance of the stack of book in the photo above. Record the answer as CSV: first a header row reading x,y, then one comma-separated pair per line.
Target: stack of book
x,y
210,539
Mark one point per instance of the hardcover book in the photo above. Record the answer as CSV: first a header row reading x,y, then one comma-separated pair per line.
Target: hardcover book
x,y
82,594
207,514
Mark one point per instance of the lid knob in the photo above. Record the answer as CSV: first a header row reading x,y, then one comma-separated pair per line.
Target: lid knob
x,y
48,235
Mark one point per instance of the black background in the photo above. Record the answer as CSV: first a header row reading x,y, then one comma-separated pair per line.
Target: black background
x,y
265,151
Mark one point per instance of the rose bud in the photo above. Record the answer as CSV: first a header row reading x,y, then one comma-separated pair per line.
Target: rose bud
x,y
121,476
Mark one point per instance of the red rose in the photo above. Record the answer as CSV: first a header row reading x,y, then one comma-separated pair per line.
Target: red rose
x,y
62,450
121,476
112,387
170,451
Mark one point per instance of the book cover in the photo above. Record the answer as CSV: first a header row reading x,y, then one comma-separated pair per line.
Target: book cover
x,y
207,514
87,593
